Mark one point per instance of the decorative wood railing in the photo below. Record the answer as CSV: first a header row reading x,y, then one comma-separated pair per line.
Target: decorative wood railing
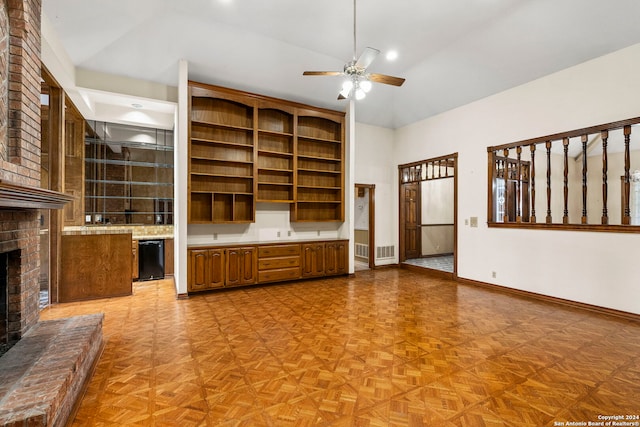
x,y
426,170
578,191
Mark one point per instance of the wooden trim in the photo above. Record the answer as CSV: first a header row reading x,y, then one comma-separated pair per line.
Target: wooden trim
x,y
206,89
570,134
634,229
25,197
550,299
372,221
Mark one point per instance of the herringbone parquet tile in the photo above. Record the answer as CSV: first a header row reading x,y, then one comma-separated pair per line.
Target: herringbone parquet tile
x,y
387,347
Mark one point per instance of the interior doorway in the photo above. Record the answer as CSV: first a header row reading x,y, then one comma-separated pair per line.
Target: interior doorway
x,y
364,238
428,215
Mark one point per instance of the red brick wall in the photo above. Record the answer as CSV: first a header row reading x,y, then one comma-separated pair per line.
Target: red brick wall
x,y
20,158
23,145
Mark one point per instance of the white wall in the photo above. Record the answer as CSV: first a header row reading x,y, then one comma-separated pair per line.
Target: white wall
x,y
373,151
594,268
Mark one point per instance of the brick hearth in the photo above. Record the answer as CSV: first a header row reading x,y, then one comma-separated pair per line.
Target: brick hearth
x,y
43,374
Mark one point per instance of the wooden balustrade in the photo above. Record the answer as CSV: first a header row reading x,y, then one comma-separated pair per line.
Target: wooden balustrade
x,y
513,176
436,168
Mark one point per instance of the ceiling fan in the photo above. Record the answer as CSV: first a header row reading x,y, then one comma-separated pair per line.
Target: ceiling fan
x,y
358,81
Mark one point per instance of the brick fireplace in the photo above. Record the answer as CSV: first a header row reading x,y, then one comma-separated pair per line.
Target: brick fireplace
x,y
43,373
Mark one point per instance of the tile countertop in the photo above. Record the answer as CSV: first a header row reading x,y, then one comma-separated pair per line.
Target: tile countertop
x,y
138,232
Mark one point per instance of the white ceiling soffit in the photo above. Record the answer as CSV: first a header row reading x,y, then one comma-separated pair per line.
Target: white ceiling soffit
x,y
450,52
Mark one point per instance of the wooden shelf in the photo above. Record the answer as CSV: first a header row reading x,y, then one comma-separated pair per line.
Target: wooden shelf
x,y
246,148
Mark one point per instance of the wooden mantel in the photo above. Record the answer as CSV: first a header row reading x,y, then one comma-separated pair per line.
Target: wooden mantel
x,y
18,196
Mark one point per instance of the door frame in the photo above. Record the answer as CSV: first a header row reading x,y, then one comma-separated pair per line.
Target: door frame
x,y
401,242
372,221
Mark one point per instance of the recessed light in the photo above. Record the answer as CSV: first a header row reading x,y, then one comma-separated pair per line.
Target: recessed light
x,y
392,55
136,105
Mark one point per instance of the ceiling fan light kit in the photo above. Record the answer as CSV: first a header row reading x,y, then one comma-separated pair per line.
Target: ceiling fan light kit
x,y
358,81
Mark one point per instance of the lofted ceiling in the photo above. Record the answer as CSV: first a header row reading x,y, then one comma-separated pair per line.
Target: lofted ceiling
x,y
451,52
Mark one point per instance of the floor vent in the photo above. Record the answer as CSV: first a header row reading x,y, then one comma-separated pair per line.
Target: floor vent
x,y
385,252
362,250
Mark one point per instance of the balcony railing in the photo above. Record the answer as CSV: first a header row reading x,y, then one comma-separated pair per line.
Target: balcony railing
x,y
586,179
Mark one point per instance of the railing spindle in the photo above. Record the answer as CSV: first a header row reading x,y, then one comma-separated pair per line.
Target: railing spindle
x,y
565,144
626,220
584,178
548,145
605,168
506,184
518,184
532,181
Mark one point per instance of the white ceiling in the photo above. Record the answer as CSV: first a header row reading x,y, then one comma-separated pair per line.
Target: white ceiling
x,y
451,52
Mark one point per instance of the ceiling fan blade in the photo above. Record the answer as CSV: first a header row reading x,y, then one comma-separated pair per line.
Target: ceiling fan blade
x,y
367,57
322,73
388,80
341,97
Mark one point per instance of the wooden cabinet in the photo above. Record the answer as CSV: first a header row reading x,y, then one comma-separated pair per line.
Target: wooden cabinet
x,y
221,158
216,267
135,266
275,153
320,169
246,148
241,266
278,262
168,257
336,258
312,259
206,269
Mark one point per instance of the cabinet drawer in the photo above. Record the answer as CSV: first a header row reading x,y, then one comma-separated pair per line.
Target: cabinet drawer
x,y
282,262
278,250
278,275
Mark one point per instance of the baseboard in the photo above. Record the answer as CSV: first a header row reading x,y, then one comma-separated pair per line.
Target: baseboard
x,y
541,297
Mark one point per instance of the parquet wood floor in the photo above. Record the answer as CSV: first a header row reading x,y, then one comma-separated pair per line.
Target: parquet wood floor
x,y
388,347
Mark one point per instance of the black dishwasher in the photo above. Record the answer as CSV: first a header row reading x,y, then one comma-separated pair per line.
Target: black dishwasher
x,y
151,259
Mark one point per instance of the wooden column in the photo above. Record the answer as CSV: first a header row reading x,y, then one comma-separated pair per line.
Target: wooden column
x,y
565,217
532,180
518,184
506,185
56,183
548,146
626,219
584,179
605,167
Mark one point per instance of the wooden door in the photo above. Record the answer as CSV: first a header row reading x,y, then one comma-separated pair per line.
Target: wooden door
x,y
312,259
335,258
241,266
411,224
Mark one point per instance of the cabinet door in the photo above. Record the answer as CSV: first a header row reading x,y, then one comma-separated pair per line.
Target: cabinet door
x,y
312,259
206,269
216,268
335,258
241,266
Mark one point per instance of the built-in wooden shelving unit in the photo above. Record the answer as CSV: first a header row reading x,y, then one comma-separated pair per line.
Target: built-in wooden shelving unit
x,y
246,148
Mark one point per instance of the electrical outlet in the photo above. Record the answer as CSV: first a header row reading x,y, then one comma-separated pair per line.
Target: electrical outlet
x,y
289,233
215,236
466,221
474,221
494,274
318,232
278,234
